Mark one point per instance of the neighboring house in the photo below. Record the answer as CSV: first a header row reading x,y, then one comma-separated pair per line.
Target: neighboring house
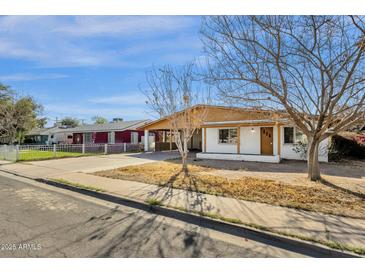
x,y
48,136
39,136
110,133
231,133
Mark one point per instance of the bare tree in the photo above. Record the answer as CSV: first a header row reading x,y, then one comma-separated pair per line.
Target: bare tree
x,y
174,94
310,66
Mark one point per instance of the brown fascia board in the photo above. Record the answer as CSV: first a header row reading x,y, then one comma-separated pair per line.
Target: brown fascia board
x,y
282,112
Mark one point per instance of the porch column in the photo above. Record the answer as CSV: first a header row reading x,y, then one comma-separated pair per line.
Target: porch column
x,y
205,140
146,140
279,140
170,139
112,137
238,140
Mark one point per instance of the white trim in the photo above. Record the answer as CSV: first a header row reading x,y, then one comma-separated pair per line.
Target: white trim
x,y
134,137
228,128
246,122
240,157
284,143
295,129
146,140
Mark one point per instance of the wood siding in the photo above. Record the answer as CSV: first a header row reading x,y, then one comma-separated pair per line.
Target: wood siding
x,y
125,136
220,114
100,138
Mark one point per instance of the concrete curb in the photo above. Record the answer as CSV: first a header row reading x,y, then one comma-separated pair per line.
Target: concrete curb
x,y
288,243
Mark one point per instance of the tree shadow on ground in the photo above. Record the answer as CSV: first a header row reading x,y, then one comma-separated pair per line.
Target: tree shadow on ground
x,y
341,169
157,155
344,190
132,234
119,234
188,191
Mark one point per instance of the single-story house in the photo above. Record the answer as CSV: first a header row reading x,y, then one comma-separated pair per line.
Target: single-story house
x,y
40,136
109,133
233,133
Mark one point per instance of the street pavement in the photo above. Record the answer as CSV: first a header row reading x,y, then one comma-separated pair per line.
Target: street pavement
x,y
37,220
325,227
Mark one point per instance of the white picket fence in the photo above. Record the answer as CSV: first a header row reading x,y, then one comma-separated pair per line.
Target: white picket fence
x,y
8,153
35,152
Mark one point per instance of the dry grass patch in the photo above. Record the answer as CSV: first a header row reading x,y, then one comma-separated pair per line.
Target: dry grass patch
x,y
315,197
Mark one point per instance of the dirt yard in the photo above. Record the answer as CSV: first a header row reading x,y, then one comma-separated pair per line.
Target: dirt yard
x,y
349,175
341,193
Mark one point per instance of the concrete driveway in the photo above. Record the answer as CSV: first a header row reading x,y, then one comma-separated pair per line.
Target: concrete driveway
x,y
48,168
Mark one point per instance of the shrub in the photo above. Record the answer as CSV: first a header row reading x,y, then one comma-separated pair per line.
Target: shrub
x,y
347,146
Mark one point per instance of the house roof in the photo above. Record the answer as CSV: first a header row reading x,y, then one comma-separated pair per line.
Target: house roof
x,y
114,126
219,114
43,131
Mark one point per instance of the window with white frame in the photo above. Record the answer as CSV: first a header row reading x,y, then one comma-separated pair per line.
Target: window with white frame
x,y
300,137
294,135
227,136
288,135
134,137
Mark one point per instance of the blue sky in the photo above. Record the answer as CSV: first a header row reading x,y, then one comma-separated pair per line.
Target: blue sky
x,y
86,66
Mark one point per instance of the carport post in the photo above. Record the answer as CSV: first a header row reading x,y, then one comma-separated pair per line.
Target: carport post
x,y
170,139
146,140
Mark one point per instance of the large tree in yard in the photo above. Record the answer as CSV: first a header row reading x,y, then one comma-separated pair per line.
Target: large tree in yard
x,y
310,66
18,115
173,93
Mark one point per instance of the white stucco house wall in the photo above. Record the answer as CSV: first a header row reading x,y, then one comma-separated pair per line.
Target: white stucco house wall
x,y
250,145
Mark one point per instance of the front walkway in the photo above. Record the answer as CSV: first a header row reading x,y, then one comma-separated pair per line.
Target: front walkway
x,y
344,230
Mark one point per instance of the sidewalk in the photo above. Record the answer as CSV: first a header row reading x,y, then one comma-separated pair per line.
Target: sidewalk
x,y
344,230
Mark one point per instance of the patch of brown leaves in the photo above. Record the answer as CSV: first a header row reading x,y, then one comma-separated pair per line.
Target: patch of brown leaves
x,y
313,197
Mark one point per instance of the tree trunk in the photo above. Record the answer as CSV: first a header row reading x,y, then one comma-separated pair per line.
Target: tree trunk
x,y
313,164
185,164
185,156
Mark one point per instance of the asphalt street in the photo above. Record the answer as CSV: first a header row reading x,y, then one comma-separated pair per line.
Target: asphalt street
x,y
37,220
